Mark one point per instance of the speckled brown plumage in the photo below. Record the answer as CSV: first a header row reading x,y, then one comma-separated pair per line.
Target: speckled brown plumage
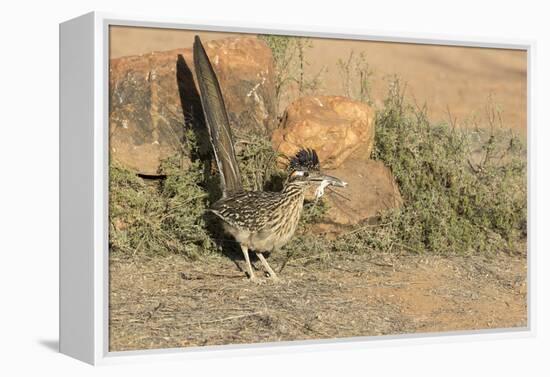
x,y
262,221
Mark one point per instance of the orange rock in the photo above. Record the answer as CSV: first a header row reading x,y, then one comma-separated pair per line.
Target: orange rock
x,y
244,67
371,189
336,127
150,93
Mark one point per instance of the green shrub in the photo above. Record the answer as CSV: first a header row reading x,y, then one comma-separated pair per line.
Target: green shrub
x,y
156,218
356,74
452,205
291,67
258,163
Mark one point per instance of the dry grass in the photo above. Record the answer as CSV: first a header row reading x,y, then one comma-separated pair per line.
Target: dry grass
x,y
171,302
292,74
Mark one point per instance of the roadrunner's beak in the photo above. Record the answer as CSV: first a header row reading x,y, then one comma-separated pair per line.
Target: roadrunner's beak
x,y
324,181
328,180
333,181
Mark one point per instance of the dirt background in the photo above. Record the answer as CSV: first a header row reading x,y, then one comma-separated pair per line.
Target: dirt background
x,y
172,302
446,78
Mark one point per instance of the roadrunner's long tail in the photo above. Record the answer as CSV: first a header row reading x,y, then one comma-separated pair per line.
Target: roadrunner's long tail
x,y
217,120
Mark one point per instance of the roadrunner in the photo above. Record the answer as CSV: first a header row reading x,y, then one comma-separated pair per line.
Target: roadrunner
x,y
260,221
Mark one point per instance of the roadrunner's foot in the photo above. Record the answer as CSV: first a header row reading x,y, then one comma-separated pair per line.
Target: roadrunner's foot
x,y
251,275
271,273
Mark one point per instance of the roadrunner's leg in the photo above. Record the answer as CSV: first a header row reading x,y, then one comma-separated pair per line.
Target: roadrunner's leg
x,y
248,265
267,267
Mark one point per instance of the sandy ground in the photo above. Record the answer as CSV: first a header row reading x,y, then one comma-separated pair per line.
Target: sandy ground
x,y
171,302
446,78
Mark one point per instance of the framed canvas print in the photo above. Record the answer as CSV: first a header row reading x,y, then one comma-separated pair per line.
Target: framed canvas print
x,y
243,190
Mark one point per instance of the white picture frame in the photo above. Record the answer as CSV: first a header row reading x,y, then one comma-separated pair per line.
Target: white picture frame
x,y
84,54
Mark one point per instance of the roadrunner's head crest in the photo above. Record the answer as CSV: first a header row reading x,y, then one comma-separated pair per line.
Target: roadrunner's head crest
x,y
305,159
304,168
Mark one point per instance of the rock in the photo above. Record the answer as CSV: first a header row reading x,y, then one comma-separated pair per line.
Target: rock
x,y
245,69
336,127
342,133
150,93
371,189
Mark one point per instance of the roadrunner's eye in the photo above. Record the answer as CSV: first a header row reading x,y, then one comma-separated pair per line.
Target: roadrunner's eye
x,y
306,174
